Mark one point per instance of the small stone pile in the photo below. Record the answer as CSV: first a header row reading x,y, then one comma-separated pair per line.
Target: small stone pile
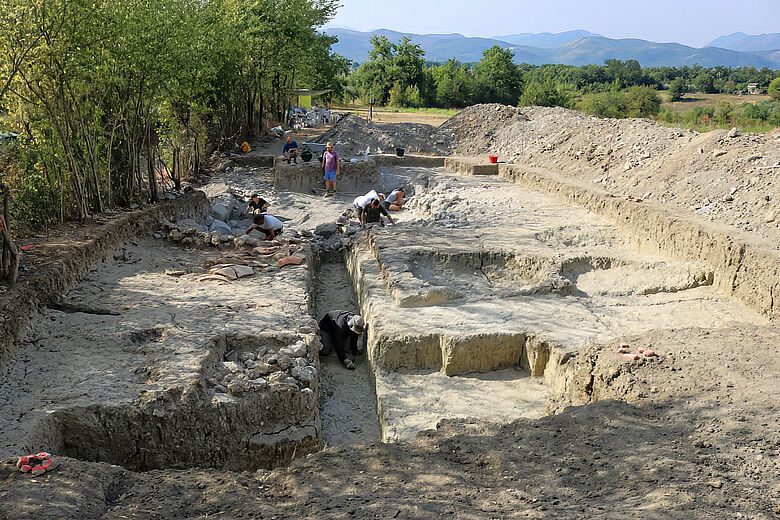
x,y
247,371
187,232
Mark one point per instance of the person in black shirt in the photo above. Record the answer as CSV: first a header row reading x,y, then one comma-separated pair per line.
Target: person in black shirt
x,y
374,211
256,205
339,330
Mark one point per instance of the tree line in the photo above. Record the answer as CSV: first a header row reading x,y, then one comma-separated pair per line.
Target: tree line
x,y
118,100
397,74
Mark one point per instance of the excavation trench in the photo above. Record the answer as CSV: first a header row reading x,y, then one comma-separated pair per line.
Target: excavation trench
x,y
348,397
371,404
253,423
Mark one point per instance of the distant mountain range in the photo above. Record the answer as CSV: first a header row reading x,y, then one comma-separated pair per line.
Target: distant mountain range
x,y
544,40
574,48
748,43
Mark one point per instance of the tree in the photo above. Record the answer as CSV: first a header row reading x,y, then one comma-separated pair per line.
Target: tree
x,y
390,72
498,79
774,88
676,89
547,94
120,100
724,112
453,84
605,104
704,83
643,101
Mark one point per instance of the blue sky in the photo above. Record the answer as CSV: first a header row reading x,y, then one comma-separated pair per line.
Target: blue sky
x,y
691,22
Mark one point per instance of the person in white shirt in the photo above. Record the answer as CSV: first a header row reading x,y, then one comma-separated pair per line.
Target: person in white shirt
x,y
362,202
270,225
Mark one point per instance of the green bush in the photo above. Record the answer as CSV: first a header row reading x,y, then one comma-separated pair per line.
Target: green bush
x,y
634,102
774,88
547,94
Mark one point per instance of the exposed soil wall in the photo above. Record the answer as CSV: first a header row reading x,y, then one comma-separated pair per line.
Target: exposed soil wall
x,y
357,177
721,176
743,269
192,427
420,161
45,285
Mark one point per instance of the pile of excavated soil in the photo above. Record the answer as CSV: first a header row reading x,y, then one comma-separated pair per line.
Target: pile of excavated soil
x,y
353,135
723,176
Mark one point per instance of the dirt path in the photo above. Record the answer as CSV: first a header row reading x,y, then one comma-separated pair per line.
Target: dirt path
x,y
348,397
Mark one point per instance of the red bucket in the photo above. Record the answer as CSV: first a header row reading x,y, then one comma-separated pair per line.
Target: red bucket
x,y
493,159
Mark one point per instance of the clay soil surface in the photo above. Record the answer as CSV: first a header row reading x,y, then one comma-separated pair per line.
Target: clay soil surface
x,y
693,436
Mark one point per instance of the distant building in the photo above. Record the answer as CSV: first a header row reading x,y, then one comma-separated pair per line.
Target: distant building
x,y
752,88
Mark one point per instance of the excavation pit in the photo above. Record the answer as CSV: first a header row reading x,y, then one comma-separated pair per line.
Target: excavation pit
x,y
173,372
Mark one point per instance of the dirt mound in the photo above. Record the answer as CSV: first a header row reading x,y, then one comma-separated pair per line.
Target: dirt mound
x,y
723,176
352,135
473,130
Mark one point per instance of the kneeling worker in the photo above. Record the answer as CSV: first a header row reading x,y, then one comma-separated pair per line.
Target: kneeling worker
x,y
339,330
271,226
373,213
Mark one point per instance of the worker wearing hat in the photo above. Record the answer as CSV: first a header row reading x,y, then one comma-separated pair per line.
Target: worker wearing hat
x,y
339,330
332,167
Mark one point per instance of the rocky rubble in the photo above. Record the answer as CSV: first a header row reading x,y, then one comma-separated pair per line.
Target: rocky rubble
x,y
353,135
241,372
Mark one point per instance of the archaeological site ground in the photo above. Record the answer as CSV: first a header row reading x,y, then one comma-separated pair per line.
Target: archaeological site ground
x,y
586,329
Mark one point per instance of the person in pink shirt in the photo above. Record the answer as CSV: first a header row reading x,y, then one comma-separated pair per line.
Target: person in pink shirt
x,y
330,163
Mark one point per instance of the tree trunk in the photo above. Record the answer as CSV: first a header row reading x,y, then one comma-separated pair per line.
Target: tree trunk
x,y
10,259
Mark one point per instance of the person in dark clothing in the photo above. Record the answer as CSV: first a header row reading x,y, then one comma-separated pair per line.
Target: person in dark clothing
x,y
374,211
290,151
256,205
339,330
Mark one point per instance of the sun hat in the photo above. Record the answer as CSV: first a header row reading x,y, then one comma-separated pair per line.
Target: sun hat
x,y
357,324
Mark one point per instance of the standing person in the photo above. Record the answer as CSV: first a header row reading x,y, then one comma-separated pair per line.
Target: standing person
x,y
332,167
270,225
255,205
290,151
373,213
338,330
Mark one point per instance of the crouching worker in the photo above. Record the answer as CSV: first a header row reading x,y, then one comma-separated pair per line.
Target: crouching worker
x,y
255,205
339,331
373,213
361,203
271,226
290,150
395,201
